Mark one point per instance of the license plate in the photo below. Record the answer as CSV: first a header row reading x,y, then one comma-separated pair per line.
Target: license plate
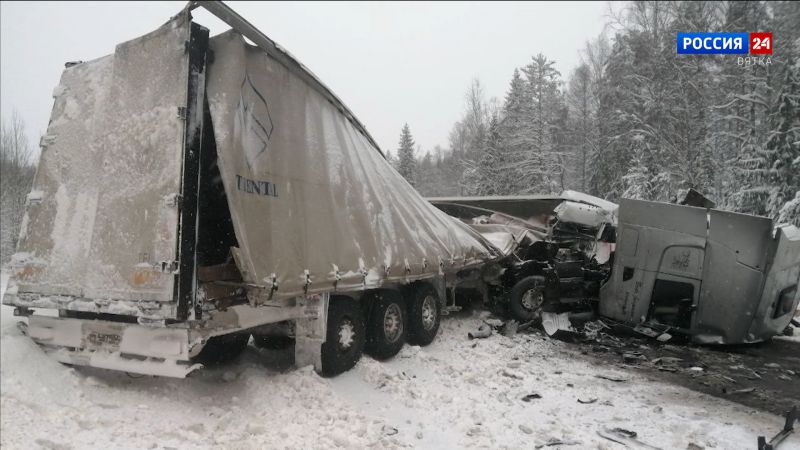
x,y
103,339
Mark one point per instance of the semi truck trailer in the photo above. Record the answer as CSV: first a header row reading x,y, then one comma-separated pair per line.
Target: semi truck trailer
x,y
195,191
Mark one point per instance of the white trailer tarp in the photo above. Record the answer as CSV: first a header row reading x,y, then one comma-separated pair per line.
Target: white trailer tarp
x,y
315,206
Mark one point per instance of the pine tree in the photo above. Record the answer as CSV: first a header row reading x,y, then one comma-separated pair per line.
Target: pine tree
x,y
790,213
541,164
579,99
637,181
474,128
616,117
687,89
429,176
514,134
492,173
783,142
406,164
743,99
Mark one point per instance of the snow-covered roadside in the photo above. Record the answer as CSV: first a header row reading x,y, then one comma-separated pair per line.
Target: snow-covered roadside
x,y
455,393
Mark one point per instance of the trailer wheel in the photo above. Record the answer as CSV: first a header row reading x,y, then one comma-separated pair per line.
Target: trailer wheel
x,y
425,314
345,337
527,298
386,325
222,349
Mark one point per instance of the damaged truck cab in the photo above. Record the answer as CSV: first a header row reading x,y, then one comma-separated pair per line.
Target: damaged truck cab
x,y
715,276
555,249
195,191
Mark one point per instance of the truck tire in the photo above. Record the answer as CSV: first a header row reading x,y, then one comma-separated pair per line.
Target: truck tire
x,y
386,325
345,337
424,314
527,298
222,349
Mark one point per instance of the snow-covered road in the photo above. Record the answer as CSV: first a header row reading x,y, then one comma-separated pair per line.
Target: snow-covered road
x,y
455,393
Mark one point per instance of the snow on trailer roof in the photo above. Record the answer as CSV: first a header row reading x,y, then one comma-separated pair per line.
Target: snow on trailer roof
x,y
494,198
574,196
488,202
248,30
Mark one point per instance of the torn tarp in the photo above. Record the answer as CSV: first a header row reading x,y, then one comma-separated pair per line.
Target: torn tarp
x,y
314,204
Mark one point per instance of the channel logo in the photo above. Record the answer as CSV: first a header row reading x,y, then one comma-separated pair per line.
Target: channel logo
x,y
724,43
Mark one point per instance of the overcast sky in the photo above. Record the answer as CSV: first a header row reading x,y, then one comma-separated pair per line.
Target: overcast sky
x,y
391,63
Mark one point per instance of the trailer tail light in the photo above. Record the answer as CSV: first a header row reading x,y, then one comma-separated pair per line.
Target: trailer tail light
x,y
785,303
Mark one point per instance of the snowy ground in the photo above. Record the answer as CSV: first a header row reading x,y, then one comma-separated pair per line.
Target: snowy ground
x,y
455,393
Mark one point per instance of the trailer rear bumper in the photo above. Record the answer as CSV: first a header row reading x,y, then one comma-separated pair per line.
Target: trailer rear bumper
x,y
162,351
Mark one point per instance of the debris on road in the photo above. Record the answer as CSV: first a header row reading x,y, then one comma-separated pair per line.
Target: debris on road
x,y
483,332
614,378
625,437
510,328
633,357
553,441
530,397
587,402
512,374
788,428
740,391
666,361
557,326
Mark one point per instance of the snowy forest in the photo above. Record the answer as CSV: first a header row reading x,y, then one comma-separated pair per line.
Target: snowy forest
x,y
635,119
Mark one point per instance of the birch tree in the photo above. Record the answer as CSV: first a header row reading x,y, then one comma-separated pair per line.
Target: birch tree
x,y
16,177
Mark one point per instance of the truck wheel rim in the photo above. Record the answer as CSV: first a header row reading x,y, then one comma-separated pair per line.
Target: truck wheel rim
x,y
428,313
393,323
346,335
532,299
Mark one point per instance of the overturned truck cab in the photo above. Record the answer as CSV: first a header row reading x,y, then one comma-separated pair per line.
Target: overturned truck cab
x,y
714,276
195,191
717,276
